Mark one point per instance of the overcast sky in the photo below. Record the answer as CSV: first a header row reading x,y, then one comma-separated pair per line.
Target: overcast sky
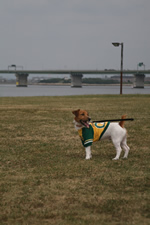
x,y
74,34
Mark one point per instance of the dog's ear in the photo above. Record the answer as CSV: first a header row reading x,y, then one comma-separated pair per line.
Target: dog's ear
x,y
76,112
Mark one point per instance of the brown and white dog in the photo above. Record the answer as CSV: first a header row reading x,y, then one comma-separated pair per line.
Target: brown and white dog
x,y
90,132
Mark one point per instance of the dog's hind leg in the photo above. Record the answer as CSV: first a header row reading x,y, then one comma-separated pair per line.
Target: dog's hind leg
x,y
118,149
125,147
118,152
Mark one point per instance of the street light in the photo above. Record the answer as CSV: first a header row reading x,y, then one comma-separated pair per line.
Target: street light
x,y
140,64
15,67
116,44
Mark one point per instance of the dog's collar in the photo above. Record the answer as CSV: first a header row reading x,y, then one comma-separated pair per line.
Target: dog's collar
x,y
79,125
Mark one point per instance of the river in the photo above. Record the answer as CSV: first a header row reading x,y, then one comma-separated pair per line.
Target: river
x,y
53,90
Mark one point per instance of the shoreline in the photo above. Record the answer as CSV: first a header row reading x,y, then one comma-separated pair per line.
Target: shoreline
x,y
83,84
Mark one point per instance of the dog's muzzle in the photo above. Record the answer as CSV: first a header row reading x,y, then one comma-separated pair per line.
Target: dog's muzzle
x,y
85,123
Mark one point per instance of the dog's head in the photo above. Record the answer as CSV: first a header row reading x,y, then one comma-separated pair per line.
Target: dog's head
x,y
82,117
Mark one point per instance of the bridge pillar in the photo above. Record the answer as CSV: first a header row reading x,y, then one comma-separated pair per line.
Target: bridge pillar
x,y
76,79
21,79
138,80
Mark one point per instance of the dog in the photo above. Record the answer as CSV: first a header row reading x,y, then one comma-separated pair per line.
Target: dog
x,y
90,132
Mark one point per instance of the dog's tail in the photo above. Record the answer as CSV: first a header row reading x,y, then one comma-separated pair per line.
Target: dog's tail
x,y
121,123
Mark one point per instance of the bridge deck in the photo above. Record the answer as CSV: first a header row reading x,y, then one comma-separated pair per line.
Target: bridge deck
x,y
74,71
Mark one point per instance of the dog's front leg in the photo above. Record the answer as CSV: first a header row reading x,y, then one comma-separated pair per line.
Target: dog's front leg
x,y
88,152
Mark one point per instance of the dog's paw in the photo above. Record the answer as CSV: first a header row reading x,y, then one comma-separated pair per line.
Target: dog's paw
x,y
88,157
115,158
124,157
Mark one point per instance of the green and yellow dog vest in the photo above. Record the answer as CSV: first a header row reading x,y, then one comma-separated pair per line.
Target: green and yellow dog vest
x,y
93,133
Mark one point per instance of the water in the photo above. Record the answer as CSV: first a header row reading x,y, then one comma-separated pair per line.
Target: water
x,y
41,90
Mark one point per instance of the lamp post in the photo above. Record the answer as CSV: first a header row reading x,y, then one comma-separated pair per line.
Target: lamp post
x,y
116,44
140,64
14,66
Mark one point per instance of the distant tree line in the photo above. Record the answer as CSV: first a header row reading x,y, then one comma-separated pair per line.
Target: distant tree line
x,y
99,81
84,80
55,80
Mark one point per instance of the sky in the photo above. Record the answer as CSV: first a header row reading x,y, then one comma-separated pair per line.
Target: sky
x,y
74,34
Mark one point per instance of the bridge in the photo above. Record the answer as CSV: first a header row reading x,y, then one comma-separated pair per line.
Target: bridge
x,y
76,75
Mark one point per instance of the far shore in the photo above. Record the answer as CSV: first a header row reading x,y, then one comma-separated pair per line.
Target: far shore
x,y
83,84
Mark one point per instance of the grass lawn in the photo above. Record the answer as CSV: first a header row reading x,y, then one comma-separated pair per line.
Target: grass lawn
x,y
44,178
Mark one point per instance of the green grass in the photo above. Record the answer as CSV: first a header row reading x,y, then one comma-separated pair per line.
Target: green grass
x,y
44,178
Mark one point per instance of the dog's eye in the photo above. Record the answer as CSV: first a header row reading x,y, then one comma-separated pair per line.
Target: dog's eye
x,y
82,114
